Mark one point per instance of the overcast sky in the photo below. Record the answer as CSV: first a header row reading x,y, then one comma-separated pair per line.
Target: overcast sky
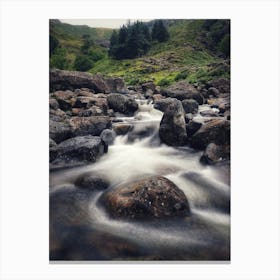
x,y
110,23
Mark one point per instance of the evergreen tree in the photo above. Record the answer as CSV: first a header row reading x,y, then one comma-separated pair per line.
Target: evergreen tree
x,y
159,31
132,40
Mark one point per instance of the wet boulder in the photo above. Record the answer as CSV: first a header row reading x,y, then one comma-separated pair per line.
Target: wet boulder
x,y
108,136
162,104
80,149
93,125
214,131
122,128
151,197
122,104
172,130
190,106
215,153
183,90
209,113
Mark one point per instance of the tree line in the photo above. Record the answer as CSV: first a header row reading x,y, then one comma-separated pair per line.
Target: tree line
x,y
134,40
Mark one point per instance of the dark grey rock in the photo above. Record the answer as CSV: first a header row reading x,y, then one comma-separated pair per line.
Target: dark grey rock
x,y
78,149
172,129
121,103
190,106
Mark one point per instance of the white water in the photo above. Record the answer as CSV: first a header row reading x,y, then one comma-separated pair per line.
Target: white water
x,y
205,187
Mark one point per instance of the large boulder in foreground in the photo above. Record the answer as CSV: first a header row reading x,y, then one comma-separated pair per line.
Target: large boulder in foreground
x,y
151,197
172,130
122,104
215,131
70,80
79,149
183,90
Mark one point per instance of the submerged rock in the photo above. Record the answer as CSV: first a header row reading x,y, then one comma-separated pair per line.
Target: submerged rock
x,y
92,182
152,197
172,129
214,153
121,103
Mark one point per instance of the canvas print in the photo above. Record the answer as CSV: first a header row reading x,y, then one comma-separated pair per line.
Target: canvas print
x,y
139,140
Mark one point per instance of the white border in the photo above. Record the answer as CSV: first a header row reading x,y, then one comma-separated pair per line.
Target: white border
x,y
255,138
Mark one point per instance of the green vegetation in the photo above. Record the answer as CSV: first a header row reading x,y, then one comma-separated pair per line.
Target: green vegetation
x,y
194,50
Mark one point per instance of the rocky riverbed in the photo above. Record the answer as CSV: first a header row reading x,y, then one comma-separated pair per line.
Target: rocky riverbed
x,y
138,172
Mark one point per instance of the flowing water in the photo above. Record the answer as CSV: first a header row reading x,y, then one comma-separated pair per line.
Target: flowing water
x,y
80,228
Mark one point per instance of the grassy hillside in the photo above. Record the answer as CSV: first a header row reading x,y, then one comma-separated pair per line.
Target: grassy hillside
x,y
191,52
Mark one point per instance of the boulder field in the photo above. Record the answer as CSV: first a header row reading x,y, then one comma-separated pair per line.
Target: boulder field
x,y
83,107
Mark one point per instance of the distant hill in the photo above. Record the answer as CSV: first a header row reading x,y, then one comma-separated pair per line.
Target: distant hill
x,y
197,50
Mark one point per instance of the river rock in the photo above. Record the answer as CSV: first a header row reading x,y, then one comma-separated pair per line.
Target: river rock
x,y
121,103
89,125
84,102
78,149
71,80
214,153
193,126
59,131
65,99
162,104
122,128
92,182
190,106
215,130
116,85
221,84
213,91
92,111
209,113
108,136
84,92
151,197
172,129
53,104
148,86
183,90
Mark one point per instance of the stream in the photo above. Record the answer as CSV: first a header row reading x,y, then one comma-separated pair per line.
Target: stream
x,y
80,228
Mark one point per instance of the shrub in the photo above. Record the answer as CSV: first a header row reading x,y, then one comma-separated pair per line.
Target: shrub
x,y
59,59
83,63
164,82
181,76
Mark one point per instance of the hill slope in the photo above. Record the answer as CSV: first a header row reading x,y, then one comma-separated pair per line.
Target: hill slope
x,y
197,50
